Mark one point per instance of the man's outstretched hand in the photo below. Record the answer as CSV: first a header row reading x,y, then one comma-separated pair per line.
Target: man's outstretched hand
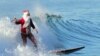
x,y
13,20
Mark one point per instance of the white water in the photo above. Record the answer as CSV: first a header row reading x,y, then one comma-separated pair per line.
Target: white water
x,y
10,41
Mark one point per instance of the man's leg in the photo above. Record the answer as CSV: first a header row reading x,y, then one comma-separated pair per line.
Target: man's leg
x,y
32,38
24,38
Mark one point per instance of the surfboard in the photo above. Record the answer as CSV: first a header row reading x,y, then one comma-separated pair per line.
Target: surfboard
x,y
67,51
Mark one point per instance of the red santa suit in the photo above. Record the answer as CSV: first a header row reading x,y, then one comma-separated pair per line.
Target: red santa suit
x,y
26,24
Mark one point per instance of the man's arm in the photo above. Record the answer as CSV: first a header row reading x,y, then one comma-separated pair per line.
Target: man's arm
x,y
16,21
32,25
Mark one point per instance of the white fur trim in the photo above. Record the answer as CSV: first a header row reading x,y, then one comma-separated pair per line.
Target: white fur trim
x,y
27,20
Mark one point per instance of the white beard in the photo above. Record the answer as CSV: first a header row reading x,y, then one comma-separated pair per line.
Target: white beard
x,y
27,21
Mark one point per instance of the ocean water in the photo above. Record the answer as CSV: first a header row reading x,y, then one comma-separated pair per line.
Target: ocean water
x,y
74,23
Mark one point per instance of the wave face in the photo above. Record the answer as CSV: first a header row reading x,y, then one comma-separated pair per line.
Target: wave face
x,y
77,32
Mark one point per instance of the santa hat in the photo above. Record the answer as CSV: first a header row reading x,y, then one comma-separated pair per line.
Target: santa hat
x,y
25,11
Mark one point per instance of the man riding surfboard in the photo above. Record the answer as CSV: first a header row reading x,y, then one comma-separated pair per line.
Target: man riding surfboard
x,y
26,24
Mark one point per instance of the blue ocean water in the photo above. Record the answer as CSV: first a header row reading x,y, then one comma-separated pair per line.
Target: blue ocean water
x,y
78,26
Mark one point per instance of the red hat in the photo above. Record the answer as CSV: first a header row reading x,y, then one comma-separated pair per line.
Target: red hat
x,y
24,11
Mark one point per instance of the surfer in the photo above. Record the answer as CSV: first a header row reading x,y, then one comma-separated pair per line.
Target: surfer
x,y
26,24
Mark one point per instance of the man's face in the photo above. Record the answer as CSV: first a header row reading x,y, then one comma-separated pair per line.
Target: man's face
x,y
26,14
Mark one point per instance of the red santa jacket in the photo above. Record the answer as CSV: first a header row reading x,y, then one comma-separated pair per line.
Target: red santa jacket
x,y
22,22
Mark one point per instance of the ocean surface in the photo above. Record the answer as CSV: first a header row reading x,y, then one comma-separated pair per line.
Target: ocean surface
x,y
61,24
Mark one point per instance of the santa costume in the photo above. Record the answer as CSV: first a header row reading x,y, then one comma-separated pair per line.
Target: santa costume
x,y
26,24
